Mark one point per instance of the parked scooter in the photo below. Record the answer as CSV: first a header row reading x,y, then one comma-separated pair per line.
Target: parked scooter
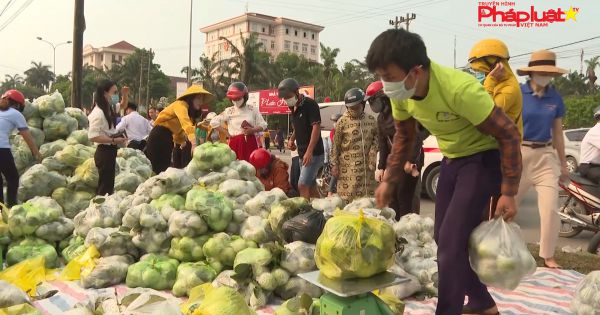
x,y
580,210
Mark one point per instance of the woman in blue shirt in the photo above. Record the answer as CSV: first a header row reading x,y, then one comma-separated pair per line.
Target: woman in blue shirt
x,y
543,148
11,106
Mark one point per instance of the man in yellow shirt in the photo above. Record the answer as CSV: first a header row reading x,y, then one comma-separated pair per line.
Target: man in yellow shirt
x,y
489,62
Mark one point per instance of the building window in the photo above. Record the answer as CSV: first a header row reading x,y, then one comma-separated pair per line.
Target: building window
x,y
296,46
254,27
102,58
286,45
114,58
272,44
304,34
120,58
304,48
264,44
296,33
313,49
313,36
92,58
287,31
263,29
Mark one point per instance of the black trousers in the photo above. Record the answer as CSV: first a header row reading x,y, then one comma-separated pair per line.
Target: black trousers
x,y
267,143
105,159
8,169
404,200
159,148
138,145
590,171
182,157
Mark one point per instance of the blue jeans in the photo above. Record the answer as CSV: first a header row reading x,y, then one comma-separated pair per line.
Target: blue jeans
x,y
308,173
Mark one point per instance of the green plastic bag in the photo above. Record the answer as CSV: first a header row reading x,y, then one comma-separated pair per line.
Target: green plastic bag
x,y
157,272
190,275
353,246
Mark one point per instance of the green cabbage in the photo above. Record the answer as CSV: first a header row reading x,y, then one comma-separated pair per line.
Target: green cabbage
x,y
223,248
74,248
186,223
79,115
190,275
215,209
71,201
59,126
108,271
29,248
167,204
212,156
79,136
74,155
128,181
36,122
50,148
26,218
30,110
153,271
85,176
111,241
102,212
39,181
50,104
23,157
188,248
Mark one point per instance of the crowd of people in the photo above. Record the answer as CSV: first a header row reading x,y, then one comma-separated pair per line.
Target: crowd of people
x,y
499,138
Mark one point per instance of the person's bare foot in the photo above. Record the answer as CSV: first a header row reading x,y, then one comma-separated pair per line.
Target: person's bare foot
x,y
551,263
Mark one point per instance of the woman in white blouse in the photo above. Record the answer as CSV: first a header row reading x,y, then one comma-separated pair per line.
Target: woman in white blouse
x,y
243,122
102,131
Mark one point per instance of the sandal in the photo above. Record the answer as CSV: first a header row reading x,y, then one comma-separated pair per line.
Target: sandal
x,y
468,310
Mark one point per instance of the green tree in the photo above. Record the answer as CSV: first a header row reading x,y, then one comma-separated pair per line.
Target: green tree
x,y
39,75
210,75
63,86
12,81
249,63
571,84
591,72
580,111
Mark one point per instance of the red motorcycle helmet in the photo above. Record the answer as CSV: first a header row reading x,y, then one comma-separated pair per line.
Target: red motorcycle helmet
x,y
260,158
15,95
374,89
237,90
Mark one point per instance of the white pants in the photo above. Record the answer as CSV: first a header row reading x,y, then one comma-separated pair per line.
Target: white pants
x,y
541,169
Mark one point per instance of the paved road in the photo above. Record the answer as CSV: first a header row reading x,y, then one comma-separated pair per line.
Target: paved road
x,y
528,217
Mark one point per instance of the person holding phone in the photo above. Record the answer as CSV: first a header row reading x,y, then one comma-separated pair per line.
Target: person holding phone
x,y
103,120
243,122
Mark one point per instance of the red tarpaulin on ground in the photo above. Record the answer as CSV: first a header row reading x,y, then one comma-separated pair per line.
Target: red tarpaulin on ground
x,y
269,102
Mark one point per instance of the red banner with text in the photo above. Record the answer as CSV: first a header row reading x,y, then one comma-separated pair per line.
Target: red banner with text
x,y
269,103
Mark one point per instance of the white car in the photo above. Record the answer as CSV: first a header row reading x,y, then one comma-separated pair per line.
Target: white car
x,y
430,173
573,139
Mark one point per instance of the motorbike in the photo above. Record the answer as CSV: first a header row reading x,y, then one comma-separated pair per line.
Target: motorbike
x,y
580,210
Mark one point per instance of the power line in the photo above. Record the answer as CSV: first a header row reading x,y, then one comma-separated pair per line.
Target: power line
x,y
6,7
16,14
559,46
385,12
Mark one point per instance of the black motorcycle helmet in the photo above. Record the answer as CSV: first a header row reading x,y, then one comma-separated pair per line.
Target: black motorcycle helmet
x,y
353,97
286,86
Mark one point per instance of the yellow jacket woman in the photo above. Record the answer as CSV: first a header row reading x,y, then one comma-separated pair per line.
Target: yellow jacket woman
x,y
175,125
489,60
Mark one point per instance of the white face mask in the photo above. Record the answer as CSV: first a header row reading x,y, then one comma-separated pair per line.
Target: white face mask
x,y
541,80
398,90
291,102
238,103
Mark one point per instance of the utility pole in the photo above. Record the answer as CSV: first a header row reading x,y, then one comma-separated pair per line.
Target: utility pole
x,y
399,20
454,51
141,73
148,77
189,69
581,62
77,71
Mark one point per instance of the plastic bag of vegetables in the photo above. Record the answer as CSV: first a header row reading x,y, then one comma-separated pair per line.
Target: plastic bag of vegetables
x,y
234,188
151,240
256,229
79,136
55,231
328,204
30,110
188,248
224,248
74,155
190,275
296,286
79,115
23,157
367,206
108,271
172,181
50,104
298,257
59,126
212,156
85,176
285,210
111,241
50,148
299,305
71,201
186,224
144,216
212,180
153,271
37,134
26,218
585,301
261,203
4,233
54,165
252,262
31,247
214,208
102,212
499,255
128,181
11,295
75,247
36,122
245,170
255,296
354,246
208,300
39,181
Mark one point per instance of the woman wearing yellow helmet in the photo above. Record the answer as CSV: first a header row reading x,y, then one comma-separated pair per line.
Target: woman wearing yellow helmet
x,y
489,63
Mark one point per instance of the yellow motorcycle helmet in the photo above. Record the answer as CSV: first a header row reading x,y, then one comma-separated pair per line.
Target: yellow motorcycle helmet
x,y
489,48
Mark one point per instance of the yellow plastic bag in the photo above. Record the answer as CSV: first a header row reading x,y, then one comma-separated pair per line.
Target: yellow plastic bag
x,y
354,246
26,275
208,300
393,303
21,309
81,265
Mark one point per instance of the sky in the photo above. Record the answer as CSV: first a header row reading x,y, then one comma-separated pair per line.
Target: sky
x,y
350,25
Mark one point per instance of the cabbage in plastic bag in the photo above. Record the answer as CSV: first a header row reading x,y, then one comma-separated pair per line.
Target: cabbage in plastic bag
x,y
79,136
23,157
102,212
245,170
186,223
297,286
35,122
55,231
26,218
111,241
108,271
153,271
285,210
168,204
74,155
585,301
85,176
298,257
261,203
11,295
354,246
499,255
224,248
257,229
50,104
144,216
74,248
214,208
188,248
31,247
50,148
128,181
30,110
212,180
234,188
79,115
212,156
217,301
37,134
173,181
59,126
71,201
190,275
328,204
39,181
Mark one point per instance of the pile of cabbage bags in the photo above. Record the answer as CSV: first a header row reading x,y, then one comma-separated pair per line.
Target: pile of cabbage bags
x,y
31,247
586,300
148,228
153,271
499,255
42,217
102,212
210,157
355,246
39,181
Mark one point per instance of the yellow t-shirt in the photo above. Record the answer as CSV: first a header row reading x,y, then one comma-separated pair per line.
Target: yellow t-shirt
x,y
175,117
455,103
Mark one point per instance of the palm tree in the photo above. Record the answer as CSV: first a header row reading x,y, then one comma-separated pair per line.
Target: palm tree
x,y
209,74
249,62
328,56
11,81
39,75
591,73
571,84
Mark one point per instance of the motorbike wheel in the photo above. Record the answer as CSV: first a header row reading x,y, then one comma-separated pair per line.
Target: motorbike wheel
x,y
594,244
568,204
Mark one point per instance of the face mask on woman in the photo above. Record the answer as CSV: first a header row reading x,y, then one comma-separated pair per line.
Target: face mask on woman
x,y
541,80
114,99
238,103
